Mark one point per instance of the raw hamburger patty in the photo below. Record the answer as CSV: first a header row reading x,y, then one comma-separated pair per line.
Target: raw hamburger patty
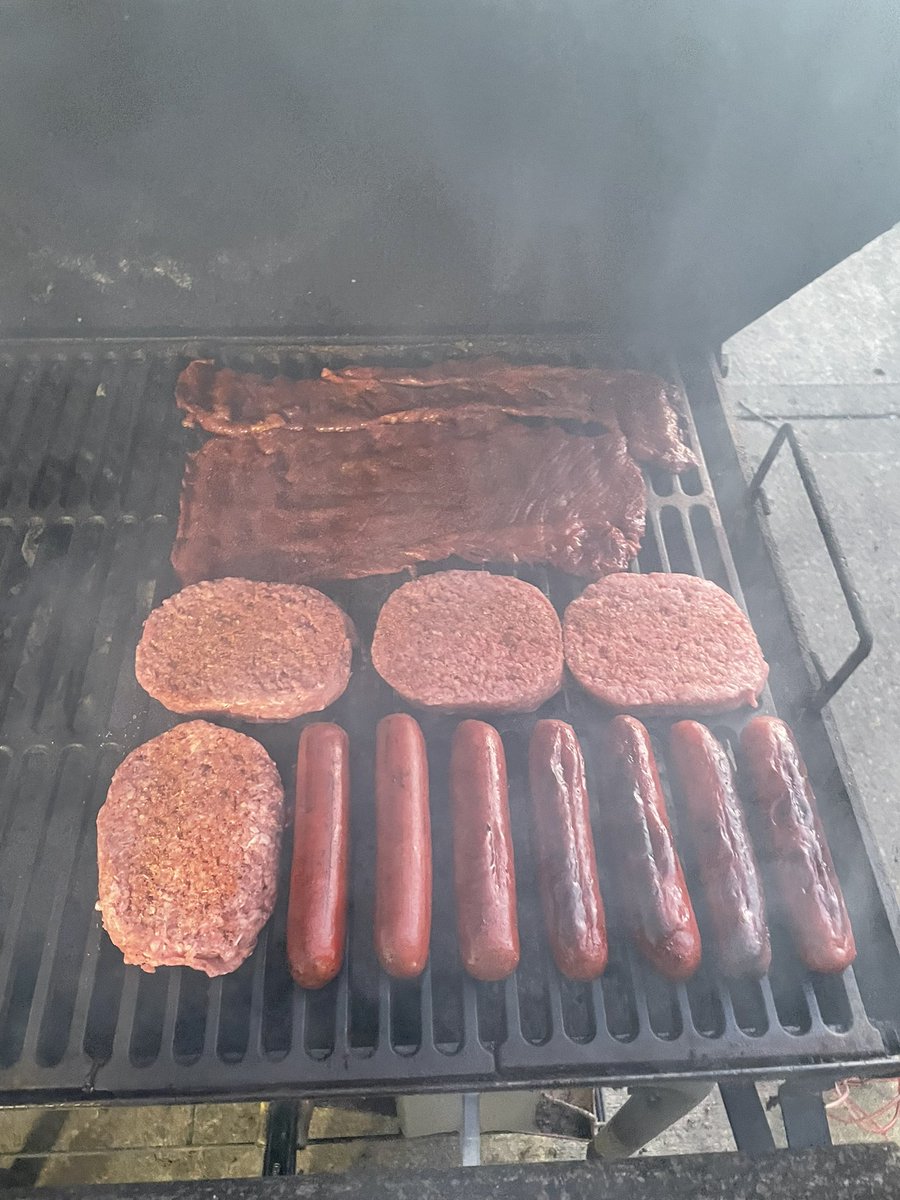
x,y
669,645
469,640
187,849
261,651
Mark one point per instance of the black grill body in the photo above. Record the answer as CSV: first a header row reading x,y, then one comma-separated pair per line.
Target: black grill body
x,y
93,457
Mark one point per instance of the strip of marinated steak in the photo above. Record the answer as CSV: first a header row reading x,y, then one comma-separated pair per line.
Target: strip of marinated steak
x,y
642,406
295,507
187,849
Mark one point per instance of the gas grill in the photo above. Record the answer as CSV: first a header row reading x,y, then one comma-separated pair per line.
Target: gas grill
x,y
300,186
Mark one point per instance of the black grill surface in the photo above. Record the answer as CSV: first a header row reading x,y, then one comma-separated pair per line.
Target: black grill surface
x,y
92,456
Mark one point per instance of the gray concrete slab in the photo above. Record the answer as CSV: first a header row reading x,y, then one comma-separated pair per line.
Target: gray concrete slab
x,y
842,329
828,360
813,401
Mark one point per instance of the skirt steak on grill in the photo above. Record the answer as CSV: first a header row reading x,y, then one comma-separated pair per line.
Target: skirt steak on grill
x,y
296,507
641,406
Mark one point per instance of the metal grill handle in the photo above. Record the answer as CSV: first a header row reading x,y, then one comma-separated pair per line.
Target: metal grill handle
x,y
828,685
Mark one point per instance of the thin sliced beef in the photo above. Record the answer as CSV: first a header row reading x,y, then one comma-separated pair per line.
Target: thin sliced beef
x,y
294,507
642,406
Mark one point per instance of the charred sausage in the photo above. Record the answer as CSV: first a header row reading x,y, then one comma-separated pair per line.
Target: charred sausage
x,y
724,852
403,847
564,852
650,878
484,872
317,908
795,841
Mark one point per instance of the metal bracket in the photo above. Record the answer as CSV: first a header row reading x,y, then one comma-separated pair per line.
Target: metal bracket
x,y
828,686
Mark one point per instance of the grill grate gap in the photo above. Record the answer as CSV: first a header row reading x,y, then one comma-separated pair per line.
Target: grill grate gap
x,y
677,548
150,1011
190,1025
234,1026
103,1012
707,544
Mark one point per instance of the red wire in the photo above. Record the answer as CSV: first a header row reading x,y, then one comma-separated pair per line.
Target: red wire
x,y
869,1121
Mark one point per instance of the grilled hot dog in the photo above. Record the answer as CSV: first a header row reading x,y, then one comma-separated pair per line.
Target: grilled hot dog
x,y
403,847
651,883
317,909
795,841
564,851
724,852
483,867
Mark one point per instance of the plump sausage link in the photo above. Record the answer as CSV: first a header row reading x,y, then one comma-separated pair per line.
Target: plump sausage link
x,y
484,873
723,850
317,908
795,843
657,906
564,852
403,847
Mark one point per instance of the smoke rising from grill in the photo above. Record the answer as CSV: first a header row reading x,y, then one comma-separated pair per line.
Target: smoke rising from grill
x,y
354,166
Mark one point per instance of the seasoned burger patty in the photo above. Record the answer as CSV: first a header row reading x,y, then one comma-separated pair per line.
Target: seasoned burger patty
x,y
187,849
669,645
469,640
260,651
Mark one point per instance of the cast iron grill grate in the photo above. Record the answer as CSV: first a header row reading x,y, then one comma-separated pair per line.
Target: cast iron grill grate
x,y
89,479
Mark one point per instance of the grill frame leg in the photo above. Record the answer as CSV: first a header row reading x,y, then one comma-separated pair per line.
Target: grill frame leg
x,y
287,1131
805,1120
747,1118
